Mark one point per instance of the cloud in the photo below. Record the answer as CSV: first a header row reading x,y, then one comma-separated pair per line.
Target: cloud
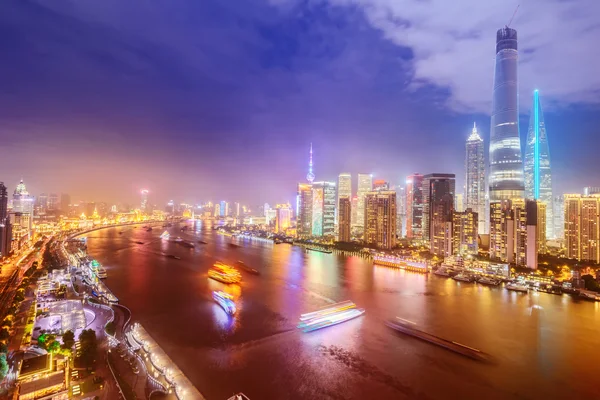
x,y
453,46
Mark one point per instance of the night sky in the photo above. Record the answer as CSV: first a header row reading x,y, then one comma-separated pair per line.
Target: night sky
x,y
210,99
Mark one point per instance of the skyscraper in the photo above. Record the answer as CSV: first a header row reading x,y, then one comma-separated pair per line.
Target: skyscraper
x,y
582,227
344,189
53,202
5,226
414,206
380,184
589,190
65,202
538,177
380,219
506,165
305,207
365,185
344,217
41,204
283,217
401,205
464,232
23,203
475,178
437,188
558,217
323,212
310,176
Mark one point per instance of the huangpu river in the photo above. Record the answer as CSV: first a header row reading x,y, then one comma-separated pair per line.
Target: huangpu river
x,y
542,345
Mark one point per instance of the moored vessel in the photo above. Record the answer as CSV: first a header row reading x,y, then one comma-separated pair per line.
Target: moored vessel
x,y
517,287
225,301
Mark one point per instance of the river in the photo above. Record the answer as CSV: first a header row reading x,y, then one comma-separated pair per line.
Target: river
x,y
542,345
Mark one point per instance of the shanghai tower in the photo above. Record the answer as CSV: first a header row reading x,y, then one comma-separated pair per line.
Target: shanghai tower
x,y
506,164
538,177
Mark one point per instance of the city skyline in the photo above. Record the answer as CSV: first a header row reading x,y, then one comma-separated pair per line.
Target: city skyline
x,y
185,113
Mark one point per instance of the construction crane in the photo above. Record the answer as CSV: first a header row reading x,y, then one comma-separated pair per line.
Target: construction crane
x,y
513,16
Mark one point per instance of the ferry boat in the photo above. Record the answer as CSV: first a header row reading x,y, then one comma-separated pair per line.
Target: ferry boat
x,y
397,262
320,250
517,287
331,315
488,281
178,239
225,301
463,277
202,242
165,235
224,273
239,396
246,268
442,271
590,296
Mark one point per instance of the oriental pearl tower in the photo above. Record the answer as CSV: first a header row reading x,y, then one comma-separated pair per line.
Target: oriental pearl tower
x,y
310,177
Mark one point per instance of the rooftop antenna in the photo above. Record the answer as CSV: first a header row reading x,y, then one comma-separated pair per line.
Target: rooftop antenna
x,y
513,16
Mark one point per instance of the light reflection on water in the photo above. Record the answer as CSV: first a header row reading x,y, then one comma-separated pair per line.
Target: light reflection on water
x,y
539,352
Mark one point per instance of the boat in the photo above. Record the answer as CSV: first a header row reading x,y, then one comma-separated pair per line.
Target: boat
x,y
331,315
517,287
442,271
165,235
224,273
148,229
463,277
409,328
239,396
138,242
319,250
233,245
246,268
202,242
174,256
277,241
488,281
225,301
178,239
590,296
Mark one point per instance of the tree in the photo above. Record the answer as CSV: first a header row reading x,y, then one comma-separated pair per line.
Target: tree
x,y
89,347
68,340
4,334
590,283
53,347
3,366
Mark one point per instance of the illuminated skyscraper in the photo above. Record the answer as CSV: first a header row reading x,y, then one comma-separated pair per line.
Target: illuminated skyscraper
x,y
538,178
414,206
224,209
464,232
5,226
65,202
344,216
582,227
365,185
589,190
310,177
475,178
401,206
144,205
23,203
305,208
283,217
344,189
380,184
380,219
559,217
41,204
323,211
53,204
506,164
437,188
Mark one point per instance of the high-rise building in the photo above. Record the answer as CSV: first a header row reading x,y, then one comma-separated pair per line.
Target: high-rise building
x,y
310,177
542,229
53,204
506,163
224,208
365,185
437,188
344,189
237,210
354,207
440,223
514,232
464,232
559,217
283,217
323,212
414,206
23,203
65,202
217,210
401,206
589,190
538,177
459,202
144,203
344,218
41,205
305,208
380,219
475,178
582,227
5,226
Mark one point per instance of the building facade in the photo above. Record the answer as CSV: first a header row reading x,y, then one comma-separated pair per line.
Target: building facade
x,y
437,189
380,219
464,232
537,172
558,215
582,227
506,163
414,206
365,185
283,217
344,219
475,178
344,189
323,212
305,208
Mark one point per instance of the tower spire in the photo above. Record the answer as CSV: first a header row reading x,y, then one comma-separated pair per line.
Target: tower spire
x,y
310,177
